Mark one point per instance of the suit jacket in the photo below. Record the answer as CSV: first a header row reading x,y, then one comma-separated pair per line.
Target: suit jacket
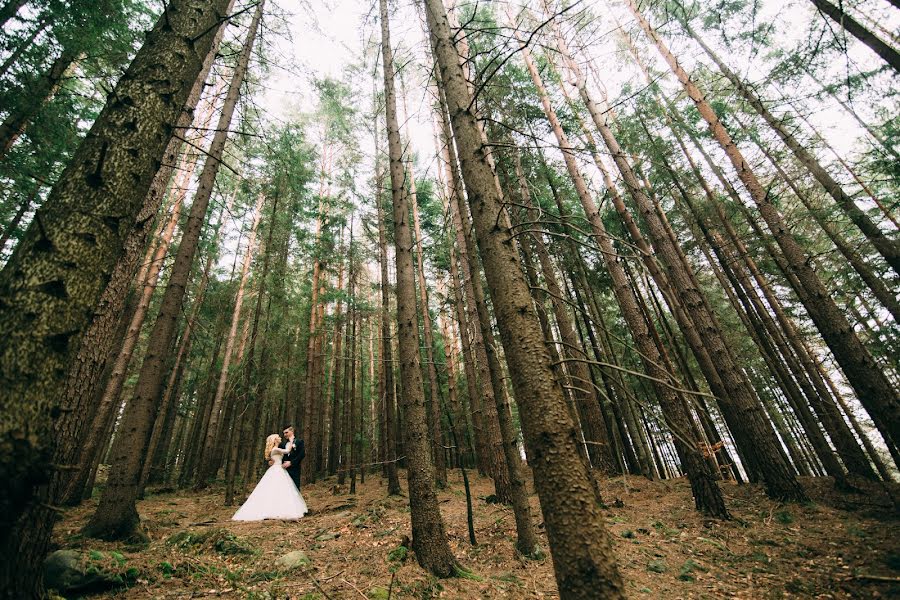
x,y
295,456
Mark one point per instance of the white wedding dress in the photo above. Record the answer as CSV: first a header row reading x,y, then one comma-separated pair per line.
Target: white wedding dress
x,y
275,496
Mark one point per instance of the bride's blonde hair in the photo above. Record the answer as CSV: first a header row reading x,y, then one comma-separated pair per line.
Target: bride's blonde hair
x,y
271,442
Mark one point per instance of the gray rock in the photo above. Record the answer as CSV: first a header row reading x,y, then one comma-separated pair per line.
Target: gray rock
x,y
292,560
65,571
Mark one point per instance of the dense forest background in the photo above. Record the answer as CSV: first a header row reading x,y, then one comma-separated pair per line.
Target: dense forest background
x,y
535,259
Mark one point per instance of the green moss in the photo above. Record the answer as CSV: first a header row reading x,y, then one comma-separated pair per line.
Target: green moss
x,y
398,554
784,517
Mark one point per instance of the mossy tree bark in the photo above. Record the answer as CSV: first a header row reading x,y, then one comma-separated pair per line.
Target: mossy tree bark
x,y
116,516
49,289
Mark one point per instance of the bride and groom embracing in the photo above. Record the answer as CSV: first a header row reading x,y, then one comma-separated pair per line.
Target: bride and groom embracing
x,y
277,495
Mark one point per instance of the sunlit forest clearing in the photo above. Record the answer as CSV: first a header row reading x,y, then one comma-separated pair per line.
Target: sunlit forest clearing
x,y
448,299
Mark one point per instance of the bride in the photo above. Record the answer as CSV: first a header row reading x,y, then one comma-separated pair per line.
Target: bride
x,y
275,496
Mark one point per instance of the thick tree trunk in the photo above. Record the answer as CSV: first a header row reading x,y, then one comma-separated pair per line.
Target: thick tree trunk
x,y
872,387
493,392
116,381
164,429
88,376
49,290
586,400
580,545
116,516
484,353
517,494
429,538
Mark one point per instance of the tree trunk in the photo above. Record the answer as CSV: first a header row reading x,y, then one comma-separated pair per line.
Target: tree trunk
x,y
113,388
728,382
23,45
484,349
386,381
875,283
203,414
823,391
9,10
116,516
707,496
316,329
39,92
238,425
155,470
580,545
435,397
857,30
872,387
580,379
429,538
94,365
69,254
888,248
458,282
13,225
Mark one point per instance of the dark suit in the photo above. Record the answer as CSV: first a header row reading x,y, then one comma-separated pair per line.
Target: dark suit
x,y
295,456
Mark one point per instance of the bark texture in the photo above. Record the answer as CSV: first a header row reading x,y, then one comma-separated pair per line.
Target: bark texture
x,y
49,290
116,516
429,539
582,553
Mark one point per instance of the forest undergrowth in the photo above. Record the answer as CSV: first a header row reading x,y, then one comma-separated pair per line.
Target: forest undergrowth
x,y
841,544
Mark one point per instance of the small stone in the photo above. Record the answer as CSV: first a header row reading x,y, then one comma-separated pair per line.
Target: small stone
x,y
292,560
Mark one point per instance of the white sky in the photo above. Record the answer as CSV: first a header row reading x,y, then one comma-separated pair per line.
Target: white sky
x,y
320,38
326,36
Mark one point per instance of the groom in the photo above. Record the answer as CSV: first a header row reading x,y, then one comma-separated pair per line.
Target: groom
x,y
293,458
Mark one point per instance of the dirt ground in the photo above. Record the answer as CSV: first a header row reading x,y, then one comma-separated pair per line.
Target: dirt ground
x,y
840,545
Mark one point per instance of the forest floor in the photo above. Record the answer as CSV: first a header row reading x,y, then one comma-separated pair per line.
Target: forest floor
x,y
839,545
